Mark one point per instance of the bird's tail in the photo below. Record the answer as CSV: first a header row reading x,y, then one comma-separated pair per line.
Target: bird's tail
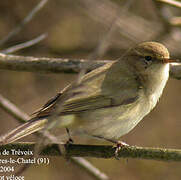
x,y
31,126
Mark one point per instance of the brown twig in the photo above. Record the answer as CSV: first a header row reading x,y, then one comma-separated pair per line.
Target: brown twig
x,y
39,64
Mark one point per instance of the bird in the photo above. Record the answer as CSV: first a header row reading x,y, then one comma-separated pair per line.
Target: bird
x,y
109,101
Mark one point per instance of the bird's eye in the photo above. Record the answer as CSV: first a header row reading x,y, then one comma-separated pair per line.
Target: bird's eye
x,y
148,58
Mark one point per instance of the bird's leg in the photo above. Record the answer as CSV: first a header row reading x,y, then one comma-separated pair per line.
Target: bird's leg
x,y
70,140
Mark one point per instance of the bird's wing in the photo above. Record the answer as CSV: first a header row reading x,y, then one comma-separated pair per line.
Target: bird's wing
x,y
89,96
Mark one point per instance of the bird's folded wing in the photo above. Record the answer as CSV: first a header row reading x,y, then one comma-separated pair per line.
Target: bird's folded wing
x,y
86,104
89,95
75,104
81,104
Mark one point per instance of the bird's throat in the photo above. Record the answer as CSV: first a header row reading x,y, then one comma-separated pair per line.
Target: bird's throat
x,y
156,84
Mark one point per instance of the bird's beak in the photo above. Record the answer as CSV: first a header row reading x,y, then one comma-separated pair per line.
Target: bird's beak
x,y
168,60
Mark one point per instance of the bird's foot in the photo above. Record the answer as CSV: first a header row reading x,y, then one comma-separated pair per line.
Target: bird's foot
x,y
119,145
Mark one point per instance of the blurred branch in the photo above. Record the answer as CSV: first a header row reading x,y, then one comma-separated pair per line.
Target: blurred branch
x,y
127,24
25,21
172,2
59,65
11,109
163,19
22,117
102,151
175,21
92,170
104,44
24,45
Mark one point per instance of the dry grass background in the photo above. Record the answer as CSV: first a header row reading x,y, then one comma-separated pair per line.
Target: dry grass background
x,y
73,31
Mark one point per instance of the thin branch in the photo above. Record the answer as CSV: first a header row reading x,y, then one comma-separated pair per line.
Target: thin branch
x,y
39,64
163,19
104,43
86,165
102,151
24,45
175,21
11,109
25,21
22,117
106,11
59,65
172,2
175,71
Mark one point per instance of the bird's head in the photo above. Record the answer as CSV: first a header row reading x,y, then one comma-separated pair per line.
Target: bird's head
x,y
149,56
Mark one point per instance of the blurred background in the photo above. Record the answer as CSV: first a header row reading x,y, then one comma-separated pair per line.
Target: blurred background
x,y
78,29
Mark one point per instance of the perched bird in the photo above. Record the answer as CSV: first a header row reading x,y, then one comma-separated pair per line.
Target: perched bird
x,y
109,101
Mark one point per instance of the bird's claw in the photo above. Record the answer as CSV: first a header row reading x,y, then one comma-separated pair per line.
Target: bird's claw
x,y
119,145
